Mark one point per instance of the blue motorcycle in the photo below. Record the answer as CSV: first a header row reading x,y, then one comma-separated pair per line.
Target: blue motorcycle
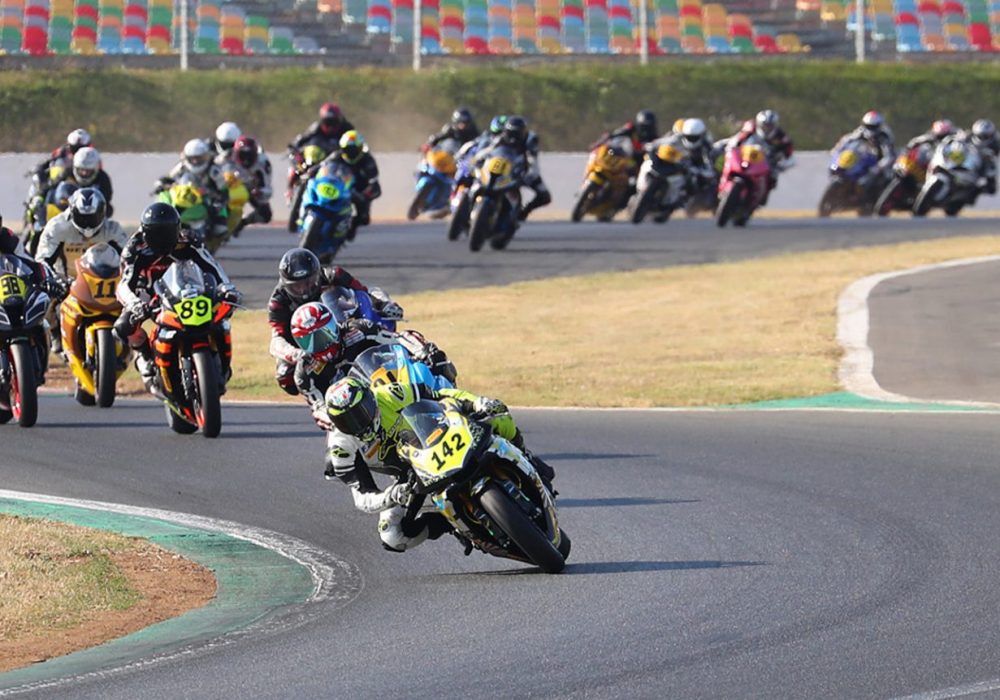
x,y
327,214
347,303
855,180
435,178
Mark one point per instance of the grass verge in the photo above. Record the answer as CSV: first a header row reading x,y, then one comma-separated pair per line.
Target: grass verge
x,y
682,336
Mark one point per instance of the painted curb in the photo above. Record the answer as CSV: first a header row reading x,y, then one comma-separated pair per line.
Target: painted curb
x,y
266,582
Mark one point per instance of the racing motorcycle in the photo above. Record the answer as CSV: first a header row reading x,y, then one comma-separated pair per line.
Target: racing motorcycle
x,y
908,175
435,179
190,204
486,488
465,173
605,184
187,336
24,345
39,213
495,197
952,178
853,171
743,184
661,185
346,303
239,197
86,319
327,211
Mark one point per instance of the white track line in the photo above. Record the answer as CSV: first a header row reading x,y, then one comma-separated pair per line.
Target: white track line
x,y
855,373
960,691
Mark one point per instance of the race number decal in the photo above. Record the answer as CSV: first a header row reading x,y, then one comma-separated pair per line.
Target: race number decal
x,y
196,311
11,286
450,452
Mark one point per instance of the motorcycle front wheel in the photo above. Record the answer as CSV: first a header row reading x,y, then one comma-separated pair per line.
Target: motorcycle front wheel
x,y
520,528
583,202
107,367
926,198
24,388
206,405
729,204
646,203
886,201
419,202
828,202
459,220
480,224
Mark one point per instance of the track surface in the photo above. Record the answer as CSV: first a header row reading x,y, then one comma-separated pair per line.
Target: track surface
x,y
407,258
793,555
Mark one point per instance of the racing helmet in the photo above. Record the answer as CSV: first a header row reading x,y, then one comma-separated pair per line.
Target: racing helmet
x,y
299,272
87,211
496,124
352,408
461,118
330,117
196,156
871,123
245,151
161,227
678,125
64,190
766,122
86,165
983,132
225,136
515,132
692,132
77,139
353,146
942,128
315,330
645,125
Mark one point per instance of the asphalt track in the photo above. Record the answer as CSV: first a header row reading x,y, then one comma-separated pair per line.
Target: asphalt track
x,y
715,554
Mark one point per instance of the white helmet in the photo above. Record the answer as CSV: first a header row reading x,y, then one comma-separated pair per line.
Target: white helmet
x,y
766,122
197,156
77,139
225,135
87,210
692,132
86,165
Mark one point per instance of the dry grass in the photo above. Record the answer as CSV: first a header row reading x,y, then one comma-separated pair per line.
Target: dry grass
x,y
52,575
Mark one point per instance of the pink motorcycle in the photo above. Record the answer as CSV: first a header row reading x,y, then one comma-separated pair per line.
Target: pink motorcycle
x,y
743,185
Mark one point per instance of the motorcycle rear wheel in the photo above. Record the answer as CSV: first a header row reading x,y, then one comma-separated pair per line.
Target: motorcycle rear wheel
x,y
207,406
583,202
525,534
24,390
479,226
729,204
107,368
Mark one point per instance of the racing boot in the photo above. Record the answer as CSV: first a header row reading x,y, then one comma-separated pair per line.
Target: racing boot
x,y
146,366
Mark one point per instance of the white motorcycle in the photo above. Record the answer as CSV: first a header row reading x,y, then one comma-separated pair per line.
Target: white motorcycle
x,y
952,178
661,186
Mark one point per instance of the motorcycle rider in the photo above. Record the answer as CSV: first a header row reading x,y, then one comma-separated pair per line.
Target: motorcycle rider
x,y
515,136
462,128
354,154
697,141
765,130
364,441
640,131
939,131
225,137
86,171
983,136
874,131
197,167
301,280
84,223
324,133
148,254
250,164
60,157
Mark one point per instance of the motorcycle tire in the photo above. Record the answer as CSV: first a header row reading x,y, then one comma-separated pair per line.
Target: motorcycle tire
x,y
645,203
311,237
419,203
207,407
925,200
5,416
24,390
520,528
459,223
479,226
293,212
178,424
886,201
564,544
828,202
82,397
729,204
107,368
583,202
953,209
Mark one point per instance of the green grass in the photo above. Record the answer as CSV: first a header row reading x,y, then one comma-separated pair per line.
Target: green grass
x,y
568,105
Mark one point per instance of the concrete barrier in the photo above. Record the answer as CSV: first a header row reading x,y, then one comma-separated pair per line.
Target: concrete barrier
x,y
134,174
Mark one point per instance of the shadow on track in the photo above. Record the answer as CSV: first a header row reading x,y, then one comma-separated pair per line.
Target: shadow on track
x,y
623,567
608,502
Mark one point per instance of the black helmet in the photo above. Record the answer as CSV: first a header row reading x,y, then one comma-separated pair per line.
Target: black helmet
x,y
299,272
160,225
87,210
461,118
645,125
515,131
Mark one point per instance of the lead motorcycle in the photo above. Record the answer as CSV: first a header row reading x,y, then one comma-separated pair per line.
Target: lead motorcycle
x,y
188,337
24,344
495,198
604,191
485,487
952,178
743,184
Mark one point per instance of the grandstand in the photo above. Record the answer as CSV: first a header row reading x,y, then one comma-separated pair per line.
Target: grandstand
x,y
493,27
